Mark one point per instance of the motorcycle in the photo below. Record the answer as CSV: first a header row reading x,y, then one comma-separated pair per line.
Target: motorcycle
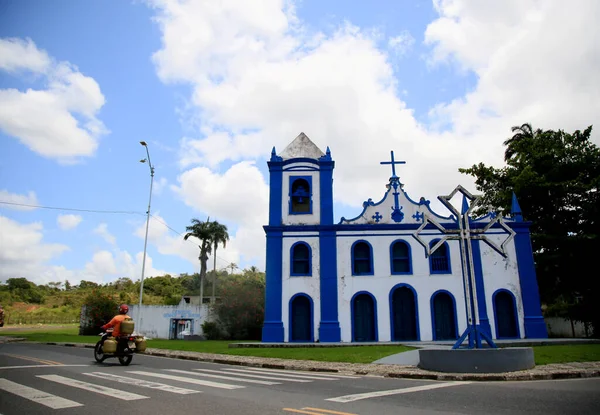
x,y
125,348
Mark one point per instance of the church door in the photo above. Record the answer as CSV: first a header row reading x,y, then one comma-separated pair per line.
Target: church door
x,y
404,314
444,320
301,318
364,319
506,320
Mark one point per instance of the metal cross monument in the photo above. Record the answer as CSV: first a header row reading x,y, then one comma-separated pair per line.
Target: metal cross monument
x,y
397,214
464,234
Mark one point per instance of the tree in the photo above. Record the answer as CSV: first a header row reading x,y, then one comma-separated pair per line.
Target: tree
x,y
220,236
556,178
205,232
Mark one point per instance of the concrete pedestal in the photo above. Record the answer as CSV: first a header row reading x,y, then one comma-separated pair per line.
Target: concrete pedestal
x,y
477,360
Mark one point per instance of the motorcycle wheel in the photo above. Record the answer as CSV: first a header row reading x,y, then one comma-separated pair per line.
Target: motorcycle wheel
x,y
99,353
125,360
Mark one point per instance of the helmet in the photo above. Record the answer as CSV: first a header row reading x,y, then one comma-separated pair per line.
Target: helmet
x,y
123,309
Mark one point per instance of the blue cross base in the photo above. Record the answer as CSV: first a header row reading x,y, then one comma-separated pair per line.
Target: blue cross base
x,y
475,334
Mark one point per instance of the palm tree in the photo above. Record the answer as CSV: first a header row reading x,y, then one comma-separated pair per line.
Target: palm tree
x,y
202,231
233,266
219,236
522,136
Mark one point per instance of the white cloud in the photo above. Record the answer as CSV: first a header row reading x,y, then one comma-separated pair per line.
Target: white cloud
x,y
258,78
102,230
402,43
159,185
22,250
67,222
18,199
57,122
22,54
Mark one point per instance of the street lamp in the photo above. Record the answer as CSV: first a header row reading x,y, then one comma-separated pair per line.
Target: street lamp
x,y
146,237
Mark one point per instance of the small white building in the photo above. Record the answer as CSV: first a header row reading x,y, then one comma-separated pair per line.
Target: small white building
x,y
169,322
368,278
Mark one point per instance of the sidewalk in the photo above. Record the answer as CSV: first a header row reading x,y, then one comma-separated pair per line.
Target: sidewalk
x,y
545,372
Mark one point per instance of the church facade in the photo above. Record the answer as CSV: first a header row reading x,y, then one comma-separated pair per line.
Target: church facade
x,y
369,279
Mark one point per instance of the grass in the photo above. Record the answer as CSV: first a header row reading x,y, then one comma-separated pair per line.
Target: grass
x,y
360,354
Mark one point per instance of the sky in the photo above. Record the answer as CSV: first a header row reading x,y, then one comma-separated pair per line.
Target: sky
x,y
212,86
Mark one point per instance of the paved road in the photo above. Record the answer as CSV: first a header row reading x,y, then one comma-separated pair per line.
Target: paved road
x,y
40,379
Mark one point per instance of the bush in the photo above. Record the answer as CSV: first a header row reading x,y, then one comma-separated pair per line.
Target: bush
x,y
98,310
241,309
212,331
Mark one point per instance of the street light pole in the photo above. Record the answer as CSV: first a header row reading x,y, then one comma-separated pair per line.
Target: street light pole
x,y
146,237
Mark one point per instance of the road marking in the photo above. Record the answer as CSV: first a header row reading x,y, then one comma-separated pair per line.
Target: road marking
x,y
329,411
46,399
115,393
259,376
321,411
142,383
258,382
292,375
33,359
29,366
367,395
188,380
301,372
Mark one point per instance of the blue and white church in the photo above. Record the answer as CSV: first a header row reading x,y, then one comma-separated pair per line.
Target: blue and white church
x,y
369,278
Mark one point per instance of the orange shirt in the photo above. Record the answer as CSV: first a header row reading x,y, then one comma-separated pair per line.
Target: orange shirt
x,y
116,323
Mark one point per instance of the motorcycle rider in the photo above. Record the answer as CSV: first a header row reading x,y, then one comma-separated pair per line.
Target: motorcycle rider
x,y
1,316
117,320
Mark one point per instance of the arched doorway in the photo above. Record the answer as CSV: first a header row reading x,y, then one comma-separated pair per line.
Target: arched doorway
x,y
363,318
301,316
444,317
506,319
404,314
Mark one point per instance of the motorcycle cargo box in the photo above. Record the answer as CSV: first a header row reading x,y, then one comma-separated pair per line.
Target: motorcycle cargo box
x,y
109,346
140,344
127,326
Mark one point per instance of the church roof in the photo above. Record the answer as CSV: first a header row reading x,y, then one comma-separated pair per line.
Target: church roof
x,y
302,146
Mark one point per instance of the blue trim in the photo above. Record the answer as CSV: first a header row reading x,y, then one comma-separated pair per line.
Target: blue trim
x,y
301,168
409,272
433,312
535,326
308,180
366,205
299,160
275,193
312,318
448,256
484,321
391,296
329,326
372,271
375,318
293,259
273,326
386,227
326,194
514,302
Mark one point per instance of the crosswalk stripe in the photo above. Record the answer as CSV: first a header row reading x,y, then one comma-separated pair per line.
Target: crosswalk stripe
x,y
259,376
301,372
142,383
46,399
367,395
36,366
187,380
115,393
258,382
292,374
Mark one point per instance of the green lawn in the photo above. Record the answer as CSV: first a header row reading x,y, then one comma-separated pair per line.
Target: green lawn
x,y
359,354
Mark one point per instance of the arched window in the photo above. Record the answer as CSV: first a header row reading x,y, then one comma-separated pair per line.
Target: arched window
x,y
400,258
300,195
300,259
362,258
439,260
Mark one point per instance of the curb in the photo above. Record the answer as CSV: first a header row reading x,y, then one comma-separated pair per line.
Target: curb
x,y
544,372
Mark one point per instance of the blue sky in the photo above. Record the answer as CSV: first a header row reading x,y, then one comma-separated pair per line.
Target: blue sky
x,y
213,89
